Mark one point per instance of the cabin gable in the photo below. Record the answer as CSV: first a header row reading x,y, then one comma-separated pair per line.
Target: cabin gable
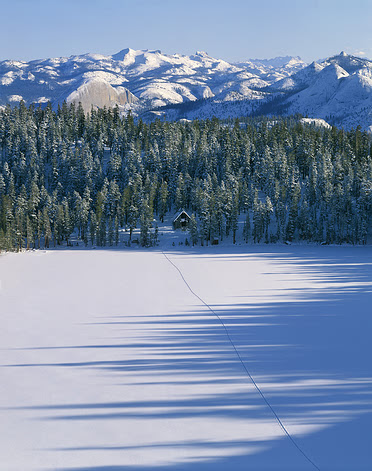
x,y
181,221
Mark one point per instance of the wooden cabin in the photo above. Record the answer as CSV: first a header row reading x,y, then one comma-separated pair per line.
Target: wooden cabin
x,y
181,221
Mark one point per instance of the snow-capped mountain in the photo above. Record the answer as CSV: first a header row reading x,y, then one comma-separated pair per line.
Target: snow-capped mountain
x,y
273,69
338,89
149,78
177,86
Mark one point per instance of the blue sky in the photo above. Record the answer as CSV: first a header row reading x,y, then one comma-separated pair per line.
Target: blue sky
x,y
231,29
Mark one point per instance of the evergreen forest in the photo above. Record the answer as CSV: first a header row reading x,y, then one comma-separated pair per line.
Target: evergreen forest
x,y
66,174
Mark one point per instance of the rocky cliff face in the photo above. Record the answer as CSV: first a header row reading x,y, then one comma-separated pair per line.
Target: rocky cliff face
x,y
98,94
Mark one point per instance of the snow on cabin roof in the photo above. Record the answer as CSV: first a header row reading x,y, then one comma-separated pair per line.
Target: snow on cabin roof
x,y
179,214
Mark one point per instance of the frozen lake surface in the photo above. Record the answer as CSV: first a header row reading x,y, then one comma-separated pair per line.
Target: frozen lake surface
x,y
110,362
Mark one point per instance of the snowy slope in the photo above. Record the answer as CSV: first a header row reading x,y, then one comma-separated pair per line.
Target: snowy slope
x,y
110,362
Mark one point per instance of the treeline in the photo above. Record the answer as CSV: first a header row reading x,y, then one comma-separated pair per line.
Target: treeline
x,y
92,174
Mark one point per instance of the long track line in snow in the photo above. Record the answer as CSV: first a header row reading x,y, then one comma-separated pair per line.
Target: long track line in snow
x,y
243,364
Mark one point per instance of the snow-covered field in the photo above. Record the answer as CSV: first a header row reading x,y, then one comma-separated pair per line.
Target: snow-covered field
x,y
110,362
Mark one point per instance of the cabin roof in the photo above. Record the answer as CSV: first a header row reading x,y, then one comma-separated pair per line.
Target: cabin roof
x,y
179,214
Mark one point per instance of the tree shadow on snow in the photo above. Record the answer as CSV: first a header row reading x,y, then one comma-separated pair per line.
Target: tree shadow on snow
x,y
310,356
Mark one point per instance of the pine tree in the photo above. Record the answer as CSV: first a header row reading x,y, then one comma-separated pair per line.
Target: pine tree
x,y
193,230
47,229
247,227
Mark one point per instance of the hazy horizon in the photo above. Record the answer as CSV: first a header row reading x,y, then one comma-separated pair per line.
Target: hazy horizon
x,y
319,59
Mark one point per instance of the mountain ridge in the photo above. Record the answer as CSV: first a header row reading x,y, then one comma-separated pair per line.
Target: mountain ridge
x,y
150,83
149,75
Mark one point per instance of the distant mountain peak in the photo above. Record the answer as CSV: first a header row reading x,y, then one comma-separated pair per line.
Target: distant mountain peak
x,y
119,56
348,62
277,62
